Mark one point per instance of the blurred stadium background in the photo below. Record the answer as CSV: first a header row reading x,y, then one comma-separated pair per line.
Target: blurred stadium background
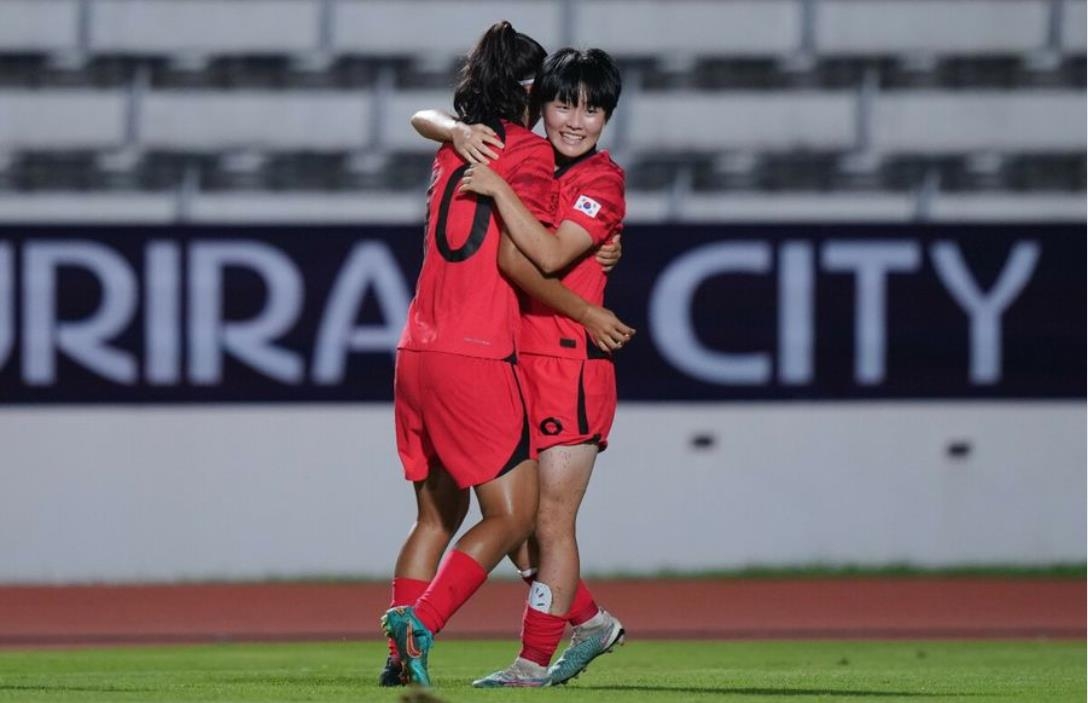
x,y
148,434
275,110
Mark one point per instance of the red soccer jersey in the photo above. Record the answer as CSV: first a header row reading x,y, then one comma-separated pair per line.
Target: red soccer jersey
x,y
463,303
591,195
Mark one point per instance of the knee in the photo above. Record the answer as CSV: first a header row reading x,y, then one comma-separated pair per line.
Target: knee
x,y
443,525
552,529
517,528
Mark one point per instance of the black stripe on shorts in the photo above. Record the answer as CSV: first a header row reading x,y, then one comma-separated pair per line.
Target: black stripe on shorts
x,y
521,451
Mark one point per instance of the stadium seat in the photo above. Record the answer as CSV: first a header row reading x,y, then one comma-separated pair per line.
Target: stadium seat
x,y
925,122
728,106
435,32
205,121
198,28
56,120
1074,27
33,26
876,27
719,121
689,28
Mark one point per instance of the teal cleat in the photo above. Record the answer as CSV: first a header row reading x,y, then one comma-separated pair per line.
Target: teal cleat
x,y
413,641
521,674
586,644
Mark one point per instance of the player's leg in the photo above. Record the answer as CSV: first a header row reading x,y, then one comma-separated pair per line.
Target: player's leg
x,y
546,615
441,506
525,559
417,458
508,506
480,429
441,502
508,509
565,473
522,673
564,476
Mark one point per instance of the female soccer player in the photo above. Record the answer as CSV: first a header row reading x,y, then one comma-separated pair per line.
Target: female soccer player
x,y
571,385
461,419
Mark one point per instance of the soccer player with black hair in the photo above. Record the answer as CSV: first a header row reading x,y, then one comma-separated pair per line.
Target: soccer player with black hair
x,y
568,371
460,409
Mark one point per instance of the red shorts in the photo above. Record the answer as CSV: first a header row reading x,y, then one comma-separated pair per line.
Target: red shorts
x,y
571,401
463,413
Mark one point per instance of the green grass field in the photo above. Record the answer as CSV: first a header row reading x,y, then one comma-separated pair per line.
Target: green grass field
x,y
640,671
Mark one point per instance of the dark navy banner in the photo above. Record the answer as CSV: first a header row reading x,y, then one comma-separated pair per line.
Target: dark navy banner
x,y
303,314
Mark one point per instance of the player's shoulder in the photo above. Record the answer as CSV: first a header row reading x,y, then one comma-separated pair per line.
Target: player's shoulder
x,y
596,166
518,138
523,147
604,167
598,172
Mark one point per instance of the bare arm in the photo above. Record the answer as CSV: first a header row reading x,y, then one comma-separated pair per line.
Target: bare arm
x,y
472,141
605,329
550,252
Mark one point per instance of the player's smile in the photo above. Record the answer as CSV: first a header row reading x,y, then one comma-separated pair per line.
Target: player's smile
x,y
573,129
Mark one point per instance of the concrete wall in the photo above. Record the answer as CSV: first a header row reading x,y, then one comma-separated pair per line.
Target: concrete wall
x,y
243,492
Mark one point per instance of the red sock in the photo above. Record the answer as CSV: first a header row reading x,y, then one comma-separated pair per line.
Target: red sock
x,y
583,607
405,592
540,635
458,577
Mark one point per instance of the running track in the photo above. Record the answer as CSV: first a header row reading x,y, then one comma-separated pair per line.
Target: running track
x,y
911,607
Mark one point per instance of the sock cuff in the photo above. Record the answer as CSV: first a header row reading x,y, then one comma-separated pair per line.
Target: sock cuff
x,y
407,591
540,635
458,577
467,563
583,607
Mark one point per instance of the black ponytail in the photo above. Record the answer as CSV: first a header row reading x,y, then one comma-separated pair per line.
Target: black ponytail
x,y
490,86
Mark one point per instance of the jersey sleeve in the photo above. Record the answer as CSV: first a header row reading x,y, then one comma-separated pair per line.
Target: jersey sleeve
x,y
532,178
597,204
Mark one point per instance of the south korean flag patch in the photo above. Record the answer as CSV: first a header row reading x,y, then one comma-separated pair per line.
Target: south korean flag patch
x,y
587,205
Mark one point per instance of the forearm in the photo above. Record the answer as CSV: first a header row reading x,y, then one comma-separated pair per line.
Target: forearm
x,y
434,125
541,246
602,326
526,276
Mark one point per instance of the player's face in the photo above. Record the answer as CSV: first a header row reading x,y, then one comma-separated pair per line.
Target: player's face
x,y
573,129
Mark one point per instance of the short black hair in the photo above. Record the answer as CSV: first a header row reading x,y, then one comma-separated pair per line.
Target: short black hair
x,y
568,72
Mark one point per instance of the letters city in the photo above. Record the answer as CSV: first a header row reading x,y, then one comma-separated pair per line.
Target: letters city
x,y
370,271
